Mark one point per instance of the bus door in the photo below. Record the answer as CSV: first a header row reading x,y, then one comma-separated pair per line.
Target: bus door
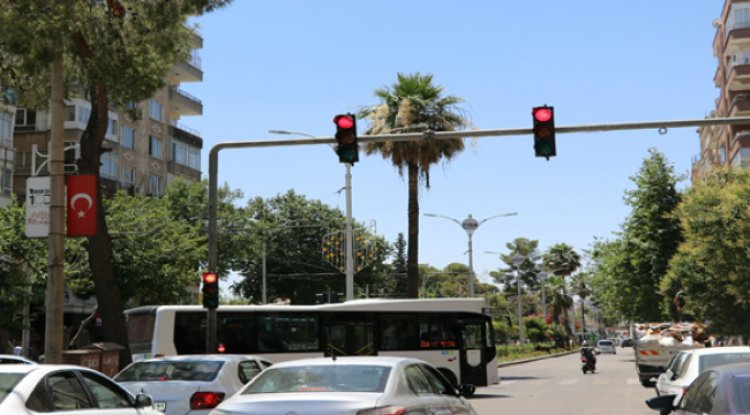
x,y
348,334
472,354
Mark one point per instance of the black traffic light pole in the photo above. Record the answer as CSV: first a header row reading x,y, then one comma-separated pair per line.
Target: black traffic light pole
x,y
213,166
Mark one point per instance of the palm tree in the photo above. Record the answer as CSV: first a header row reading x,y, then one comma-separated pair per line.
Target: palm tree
x,y
562,260
414,104
580,286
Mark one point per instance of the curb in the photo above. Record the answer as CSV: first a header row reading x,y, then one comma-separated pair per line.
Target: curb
x,y
533,359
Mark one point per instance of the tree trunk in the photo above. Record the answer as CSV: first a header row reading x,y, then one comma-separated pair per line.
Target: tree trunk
x,y
412,266
106,287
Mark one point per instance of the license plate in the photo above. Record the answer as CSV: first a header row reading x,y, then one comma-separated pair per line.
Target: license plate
x,y
160,406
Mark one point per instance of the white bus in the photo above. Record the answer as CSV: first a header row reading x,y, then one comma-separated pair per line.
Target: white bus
x,y
453,334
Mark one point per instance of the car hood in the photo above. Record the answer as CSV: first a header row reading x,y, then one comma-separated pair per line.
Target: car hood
x,y
309,403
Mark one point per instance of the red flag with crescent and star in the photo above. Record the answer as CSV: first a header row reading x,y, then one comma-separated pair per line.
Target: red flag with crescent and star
x,y
81,216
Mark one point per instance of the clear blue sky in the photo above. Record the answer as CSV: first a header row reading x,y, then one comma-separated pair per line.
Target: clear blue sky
x,y
294,64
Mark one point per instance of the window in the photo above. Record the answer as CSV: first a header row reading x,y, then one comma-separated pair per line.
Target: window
x,y
287,332
154,147
741,18
437,332
128,137
186,155
108,165
247,370
7,180
398,332
6,129
417,380
70,113
106,393
437,381
111,128
25,117
154,110
67,392
84,114
154,185
128,176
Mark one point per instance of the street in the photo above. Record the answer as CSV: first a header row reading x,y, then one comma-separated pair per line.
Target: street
x,y
557,385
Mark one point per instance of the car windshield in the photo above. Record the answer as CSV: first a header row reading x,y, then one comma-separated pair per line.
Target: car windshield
x,y
712,360
605,343
7,382
329,378
163,370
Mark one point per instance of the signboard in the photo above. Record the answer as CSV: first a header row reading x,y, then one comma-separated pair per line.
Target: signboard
x,y
38,195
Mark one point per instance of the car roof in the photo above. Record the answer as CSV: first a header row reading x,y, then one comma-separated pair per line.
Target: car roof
x,y
718,350
24,368
349,360
203,357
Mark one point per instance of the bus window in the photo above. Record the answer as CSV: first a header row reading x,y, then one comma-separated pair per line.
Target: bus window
x,y
190,332
140,331
236,332
287,332
398,332
437,332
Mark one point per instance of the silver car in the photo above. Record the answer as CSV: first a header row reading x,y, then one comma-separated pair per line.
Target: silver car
x,y
190,384
367,385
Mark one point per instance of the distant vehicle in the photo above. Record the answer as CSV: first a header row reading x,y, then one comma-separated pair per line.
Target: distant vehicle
x,y
368,385
190,384
723,390
655,344
606,346
13,359
685,366
66,389
453,334
626,342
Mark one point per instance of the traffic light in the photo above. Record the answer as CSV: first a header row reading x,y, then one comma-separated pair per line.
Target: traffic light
x,y
210,290
544,131
346,136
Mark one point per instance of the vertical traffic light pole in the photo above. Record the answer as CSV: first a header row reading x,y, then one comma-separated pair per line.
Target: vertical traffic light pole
x,y
213,165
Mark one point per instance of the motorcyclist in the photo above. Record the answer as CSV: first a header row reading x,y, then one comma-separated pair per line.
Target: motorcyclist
x,y
588,352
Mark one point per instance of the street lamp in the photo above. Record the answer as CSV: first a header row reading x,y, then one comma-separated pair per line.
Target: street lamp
x,y
349,270
470,225
543,278
517,260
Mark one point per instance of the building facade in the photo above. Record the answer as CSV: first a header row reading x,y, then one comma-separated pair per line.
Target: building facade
x,y
7,153
146,154
727,145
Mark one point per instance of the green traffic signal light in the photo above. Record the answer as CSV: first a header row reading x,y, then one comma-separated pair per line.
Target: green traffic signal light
x,y
544,131
346,137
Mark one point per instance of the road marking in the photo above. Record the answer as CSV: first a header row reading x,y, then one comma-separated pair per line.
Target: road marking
x,y
507,382
602,382
633,381
568,382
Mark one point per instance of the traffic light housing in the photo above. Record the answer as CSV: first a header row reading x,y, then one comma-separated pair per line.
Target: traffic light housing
x,y
346,137
210,290
544,131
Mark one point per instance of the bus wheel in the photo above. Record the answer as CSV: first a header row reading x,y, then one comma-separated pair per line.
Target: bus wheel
x,y
450,376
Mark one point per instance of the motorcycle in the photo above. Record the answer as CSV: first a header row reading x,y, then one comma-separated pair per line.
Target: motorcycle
x,y
587,366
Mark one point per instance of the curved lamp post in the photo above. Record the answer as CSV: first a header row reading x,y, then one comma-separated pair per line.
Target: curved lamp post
x,y
470,225
517,260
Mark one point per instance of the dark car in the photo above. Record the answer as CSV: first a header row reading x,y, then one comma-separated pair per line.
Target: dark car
x,y
627,342
722,390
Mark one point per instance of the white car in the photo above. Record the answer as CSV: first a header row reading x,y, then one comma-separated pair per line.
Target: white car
x,y
686,365
190,384
606,346
65,389
362,385
13,359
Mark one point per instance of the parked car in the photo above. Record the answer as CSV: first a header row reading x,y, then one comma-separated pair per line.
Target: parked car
x,y
723,390
13,359
606,346
626,342
72,390
362,385
190,384
686,365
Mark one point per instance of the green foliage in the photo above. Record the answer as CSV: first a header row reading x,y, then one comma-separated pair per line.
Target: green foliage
x,y
628,271
712,266
506,277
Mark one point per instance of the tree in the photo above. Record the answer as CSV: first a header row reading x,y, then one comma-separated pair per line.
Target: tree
x,y
506,277
631,269
116,51
412,104
712,266
561,260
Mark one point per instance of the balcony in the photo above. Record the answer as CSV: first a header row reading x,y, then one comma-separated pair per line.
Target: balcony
x,y
738,38
182,103
187,71
185,133
739,76
740,106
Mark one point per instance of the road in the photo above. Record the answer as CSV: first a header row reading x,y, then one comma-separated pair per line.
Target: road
x,y
557,386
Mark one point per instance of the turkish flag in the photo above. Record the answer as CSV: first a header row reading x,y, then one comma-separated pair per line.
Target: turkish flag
x,y
81,204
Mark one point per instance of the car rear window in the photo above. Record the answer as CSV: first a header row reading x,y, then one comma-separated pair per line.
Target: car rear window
x,y
329,378
7,382
605,343
712,360
199,371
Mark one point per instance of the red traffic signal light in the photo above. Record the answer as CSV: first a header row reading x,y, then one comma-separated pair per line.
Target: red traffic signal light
x,y
210,290
346,137
544,131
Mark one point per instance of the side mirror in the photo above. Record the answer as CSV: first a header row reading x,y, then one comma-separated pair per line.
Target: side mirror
x,y
671,375
143,400
466,390
664,404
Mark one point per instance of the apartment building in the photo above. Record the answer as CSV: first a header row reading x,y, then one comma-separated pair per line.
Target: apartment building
x,y
726,145
7,153
146,154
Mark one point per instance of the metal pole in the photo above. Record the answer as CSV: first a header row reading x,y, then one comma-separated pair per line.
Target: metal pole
x,y
54,325
264,297
583,319
520,307
471,266
349,236
213,167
